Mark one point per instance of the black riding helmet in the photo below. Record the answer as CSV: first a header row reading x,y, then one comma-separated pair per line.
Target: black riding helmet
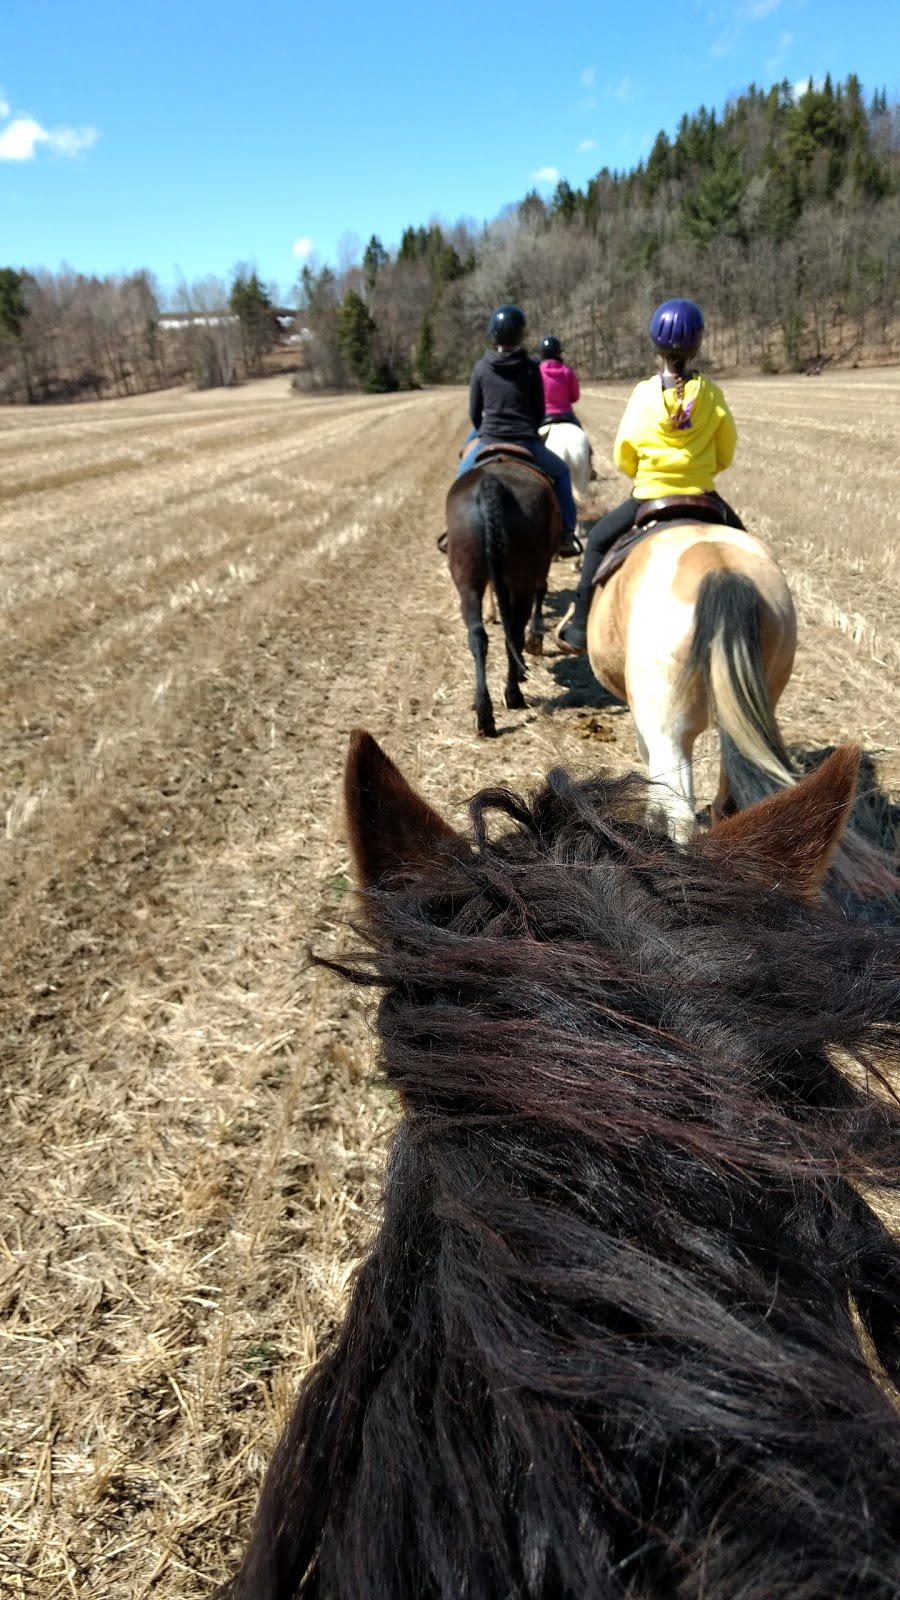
x,y
551,348
507,325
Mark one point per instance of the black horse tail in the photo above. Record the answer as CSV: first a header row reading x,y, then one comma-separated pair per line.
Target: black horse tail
x,y
488,500
726,651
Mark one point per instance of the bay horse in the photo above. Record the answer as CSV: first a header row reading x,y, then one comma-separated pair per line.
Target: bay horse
x,y
697,629
630,1328
503,528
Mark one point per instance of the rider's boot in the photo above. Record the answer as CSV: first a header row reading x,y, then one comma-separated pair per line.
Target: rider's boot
x,y
571,635
569,544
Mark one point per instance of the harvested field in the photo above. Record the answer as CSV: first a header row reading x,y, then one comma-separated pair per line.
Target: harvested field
x,y
201,595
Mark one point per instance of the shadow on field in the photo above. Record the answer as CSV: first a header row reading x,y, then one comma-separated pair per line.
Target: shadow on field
x,y
876,818
574,678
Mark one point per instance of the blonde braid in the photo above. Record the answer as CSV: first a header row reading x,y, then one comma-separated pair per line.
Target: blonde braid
x,y
678,414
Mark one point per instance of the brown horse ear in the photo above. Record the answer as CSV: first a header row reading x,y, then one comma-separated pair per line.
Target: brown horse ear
x,y
392,829
789,839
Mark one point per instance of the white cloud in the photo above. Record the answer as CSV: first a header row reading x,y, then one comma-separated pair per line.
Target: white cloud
x,y
20,138
545,175
588,78
301,248
5,107
803,86
587,144
17,142
623,90
757,9
71,141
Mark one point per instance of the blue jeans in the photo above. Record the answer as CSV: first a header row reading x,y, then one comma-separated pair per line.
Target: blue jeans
x,y
543,458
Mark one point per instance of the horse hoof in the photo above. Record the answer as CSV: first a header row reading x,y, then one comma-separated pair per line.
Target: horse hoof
x,y
534,644
487,730
515,702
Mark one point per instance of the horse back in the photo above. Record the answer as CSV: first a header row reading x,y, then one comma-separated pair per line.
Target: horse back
x,y
647,607
532,524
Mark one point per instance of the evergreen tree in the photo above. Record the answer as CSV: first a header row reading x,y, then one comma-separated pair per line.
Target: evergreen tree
x,y
252,306
713,208
13,305
356,333
374,258
425,363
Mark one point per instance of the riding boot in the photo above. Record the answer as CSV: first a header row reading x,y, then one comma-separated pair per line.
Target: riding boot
x,y
572,635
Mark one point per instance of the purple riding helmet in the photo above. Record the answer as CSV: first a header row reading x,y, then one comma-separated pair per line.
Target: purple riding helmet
x,y
676,325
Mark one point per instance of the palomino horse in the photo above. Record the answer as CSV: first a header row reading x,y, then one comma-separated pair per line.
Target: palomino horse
x,y
696,630
629,1329
503,528
573,447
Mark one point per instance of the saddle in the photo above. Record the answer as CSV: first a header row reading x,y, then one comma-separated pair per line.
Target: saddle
x,y
671,508
516,454
682,508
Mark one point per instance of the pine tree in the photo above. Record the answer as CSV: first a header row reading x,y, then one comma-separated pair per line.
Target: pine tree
x,y
356,334
253,308
13,305
425,363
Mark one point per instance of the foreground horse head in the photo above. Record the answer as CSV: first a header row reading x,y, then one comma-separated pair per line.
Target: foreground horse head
x,y
607,1342
503,528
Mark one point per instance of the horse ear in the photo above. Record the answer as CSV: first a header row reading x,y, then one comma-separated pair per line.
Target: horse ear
x,y
789,839
392,829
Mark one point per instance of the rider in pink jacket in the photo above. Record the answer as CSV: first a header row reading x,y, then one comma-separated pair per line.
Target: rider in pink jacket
x,y
561,388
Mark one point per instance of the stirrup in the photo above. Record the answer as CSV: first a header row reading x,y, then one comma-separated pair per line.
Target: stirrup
x,y
570,544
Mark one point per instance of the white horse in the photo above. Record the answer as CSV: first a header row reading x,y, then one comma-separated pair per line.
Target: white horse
x,y
572,446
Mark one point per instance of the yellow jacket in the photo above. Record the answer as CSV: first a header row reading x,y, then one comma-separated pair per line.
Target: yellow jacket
x,y
664,458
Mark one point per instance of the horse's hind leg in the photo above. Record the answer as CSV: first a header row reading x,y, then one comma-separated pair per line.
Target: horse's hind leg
x,y
478,644
519,609
534,639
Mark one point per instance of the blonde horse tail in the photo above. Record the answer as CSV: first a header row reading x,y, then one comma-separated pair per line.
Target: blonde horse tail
x,y
726,651
489,500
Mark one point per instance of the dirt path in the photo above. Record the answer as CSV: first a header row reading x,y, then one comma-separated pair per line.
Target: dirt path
x,y
201,596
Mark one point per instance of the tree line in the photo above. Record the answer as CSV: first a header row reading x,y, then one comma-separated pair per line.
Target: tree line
x,y
65,336
780,215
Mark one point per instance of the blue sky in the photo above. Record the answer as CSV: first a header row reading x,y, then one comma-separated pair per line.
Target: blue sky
x,y
191,137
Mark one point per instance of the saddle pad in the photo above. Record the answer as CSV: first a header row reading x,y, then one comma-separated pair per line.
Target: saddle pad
x,y
618,553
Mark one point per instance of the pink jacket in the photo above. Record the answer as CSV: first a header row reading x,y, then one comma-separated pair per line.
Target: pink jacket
x,y
560,386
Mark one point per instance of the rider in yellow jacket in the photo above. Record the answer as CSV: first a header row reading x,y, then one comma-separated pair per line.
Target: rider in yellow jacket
x,y
677,432
664,456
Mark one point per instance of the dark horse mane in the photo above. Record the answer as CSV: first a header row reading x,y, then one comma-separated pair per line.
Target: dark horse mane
x,y
630,1326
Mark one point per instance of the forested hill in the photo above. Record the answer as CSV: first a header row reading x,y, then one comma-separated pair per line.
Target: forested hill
x,y
781,216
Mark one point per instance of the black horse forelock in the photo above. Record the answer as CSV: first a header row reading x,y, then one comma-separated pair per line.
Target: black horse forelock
x,y
630,1326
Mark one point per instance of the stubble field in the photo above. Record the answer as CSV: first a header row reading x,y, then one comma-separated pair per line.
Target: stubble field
x,y
201,595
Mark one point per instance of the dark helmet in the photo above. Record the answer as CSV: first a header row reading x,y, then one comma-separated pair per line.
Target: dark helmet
x,y
507,325
551,348
676,325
